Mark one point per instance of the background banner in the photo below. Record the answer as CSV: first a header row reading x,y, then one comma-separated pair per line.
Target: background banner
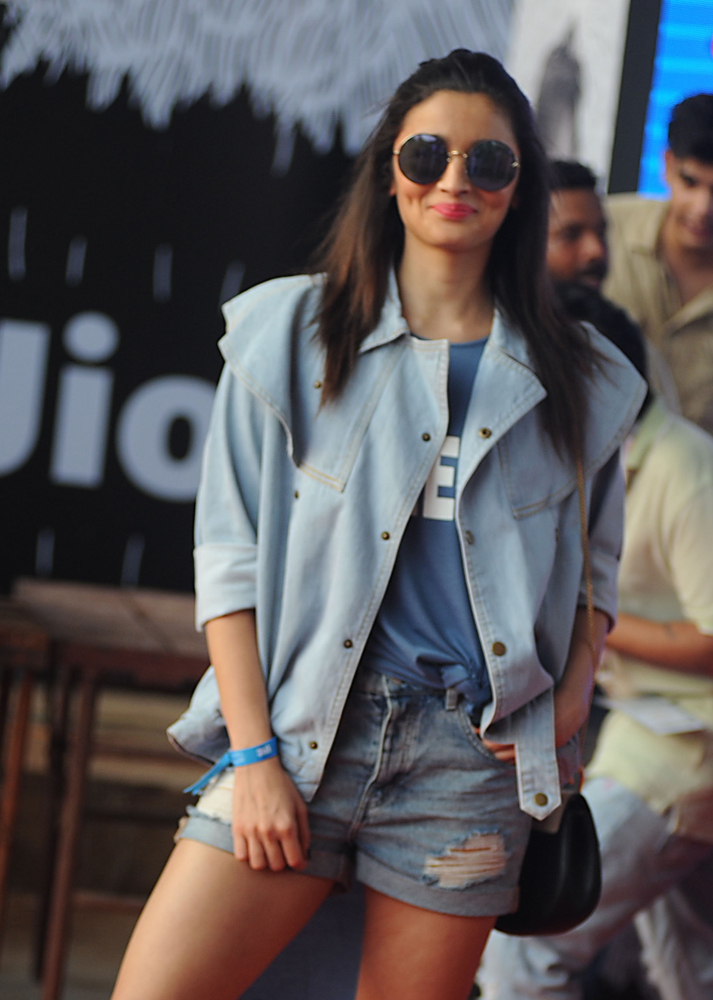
x,y
158,156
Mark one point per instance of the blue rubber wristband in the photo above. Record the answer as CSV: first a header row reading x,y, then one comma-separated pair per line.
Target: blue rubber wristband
x,y
251,755
235,758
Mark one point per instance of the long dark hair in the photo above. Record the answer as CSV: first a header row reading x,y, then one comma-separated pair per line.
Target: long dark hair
x,y
366,238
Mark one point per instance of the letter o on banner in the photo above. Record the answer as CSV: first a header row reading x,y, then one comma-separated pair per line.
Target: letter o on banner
x,y
143,432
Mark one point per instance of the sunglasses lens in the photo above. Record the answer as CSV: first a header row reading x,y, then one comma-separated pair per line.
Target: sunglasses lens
x,y
490,165
423,158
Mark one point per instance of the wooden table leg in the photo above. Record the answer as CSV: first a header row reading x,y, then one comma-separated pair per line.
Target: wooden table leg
x,y
58,695
5,685
59,912
11,779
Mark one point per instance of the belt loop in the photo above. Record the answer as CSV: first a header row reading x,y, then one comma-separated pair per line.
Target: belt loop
x,y
451,699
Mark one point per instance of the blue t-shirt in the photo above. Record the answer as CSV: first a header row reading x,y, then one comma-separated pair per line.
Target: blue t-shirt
x,y
425,631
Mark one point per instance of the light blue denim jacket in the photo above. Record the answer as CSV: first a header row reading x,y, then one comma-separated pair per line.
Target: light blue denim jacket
x,y
301,510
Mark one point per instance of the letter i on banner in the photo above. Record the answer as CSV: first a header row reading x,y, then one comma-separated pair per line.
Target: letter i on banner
x,y
83,402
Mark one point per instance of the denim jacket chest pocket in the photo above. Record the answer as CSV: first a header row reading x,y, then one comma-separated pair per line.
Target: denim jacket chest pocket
x,y
534,475
326,438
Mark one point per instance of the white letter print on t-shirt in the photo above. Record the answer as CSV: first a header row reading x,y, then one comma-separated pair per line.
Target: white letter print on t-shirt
x,y
434,506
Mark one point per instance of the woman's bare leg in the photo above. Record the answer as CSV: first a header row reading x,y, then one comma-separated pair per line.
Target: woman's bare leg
x,y
409,952
211,926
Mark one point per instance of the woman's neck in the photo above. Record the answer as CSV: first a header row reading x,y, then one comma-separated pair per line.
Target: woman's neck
x,y
444,296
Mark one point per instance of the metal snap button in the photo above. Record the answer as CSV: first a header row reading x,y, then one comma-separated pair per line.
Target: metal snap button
x,y
317,384
313,746
469,537
296,494
499,648
385,535
348,643
540,799
425,436
485,432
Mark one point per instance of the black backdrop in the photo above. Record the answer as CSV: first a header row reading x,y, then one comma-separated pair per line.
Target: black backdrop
x,y
151,230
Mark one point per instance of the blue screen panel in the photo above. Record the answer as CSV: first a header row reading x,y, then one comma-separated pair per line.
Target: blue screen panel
x,y
683,65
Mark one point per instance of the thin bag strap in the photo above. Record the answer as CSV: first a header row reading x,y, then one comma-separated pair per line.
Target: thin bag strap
x,y
588,586
585,556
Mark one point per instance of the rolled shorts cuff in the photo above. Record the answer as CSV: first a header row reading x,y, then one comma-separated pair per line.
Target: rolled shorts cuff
x,y
205,829
216,833
455,902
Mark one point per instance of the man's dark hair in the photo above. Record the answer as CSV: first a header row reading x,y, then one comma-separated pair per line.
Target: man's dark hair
x,y
568,175
583,303
690,130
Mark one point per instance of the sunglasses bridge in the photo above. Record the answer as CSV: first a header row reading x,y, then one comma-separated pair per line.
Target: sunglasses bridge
x,y
450,153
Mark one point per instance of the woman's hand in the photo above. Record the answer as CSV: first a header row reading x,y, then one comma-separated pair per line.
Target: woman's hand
x,y
571,711
269,816
573,694
502,751
270,828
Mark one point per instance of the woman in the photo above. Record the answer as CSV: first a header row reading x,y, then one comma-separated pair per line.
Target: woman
x,y
368,503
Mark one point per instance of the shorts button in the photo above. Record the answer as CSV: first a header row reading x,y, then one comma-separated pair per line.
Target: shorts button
x,y
425,436
469,537
485,432
499,648
348,643
297,494
539,798
313,746
317,384
385,535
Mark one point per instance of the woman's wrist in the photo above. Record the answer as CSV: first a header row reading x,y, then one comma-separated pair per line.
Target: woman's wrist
x,y
264,750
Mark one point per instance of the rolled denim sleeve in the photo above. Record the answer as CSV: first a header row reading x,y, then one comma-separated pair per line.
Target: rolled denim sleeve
x,y
606,529
225,553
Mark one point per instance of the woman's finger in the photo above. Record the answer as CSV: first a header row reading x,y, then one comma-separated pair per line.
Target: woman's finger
x,y
256,854
240,847
273,850
501,751
292,848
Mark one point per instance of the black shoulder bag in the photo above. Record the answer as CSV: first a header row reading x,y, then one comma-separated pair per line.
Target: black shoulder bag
x,y
561,877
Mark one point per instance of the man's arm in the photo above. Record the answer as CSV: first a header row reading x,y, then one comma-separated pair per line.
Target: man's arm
x,y
676,645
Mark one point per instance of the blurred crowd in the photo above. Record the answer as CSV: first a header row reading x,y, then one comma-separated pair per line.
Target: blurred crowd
x,y
641,271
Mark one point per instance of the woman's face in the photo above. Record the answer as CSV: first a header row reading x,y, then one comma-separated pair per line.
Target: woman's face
x,y
427,210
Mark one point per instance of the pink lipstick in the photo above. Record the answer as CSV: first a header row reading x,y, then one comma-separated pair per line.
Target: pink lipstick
x,y
453,210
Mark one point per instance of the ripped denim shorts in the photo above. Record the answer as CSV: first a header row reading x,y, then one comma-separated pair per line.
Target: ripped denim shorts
x,y
411,804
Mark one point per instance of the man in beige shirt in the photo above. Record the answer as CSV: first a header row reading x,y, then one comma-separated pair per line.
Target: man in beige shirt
x,y
661,260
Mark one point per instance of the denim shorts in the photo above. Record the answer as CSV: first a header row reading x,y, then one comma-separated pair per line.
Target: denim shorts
x,y
411,804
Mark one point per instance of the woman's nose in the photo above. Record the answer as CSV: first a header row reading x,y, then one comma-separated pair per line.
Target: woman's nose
x,y
454,179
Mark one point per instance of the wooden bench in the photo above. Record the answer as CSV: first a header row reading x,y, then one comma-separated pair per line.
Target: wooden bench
x,y
23,657
98,636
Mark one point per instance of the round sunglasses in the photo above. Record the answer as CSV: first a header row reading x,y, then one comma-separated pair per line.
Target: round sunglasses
x,y
489,164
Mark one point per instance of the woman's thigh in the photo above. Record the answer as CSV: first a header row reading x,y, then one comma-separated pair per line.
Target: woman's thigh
x,y
211,926
410,952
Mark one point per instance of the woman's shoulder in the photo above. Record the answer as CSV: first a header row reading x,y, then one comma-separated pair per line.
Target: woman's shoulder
x,y
262,323
271,301
269,345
